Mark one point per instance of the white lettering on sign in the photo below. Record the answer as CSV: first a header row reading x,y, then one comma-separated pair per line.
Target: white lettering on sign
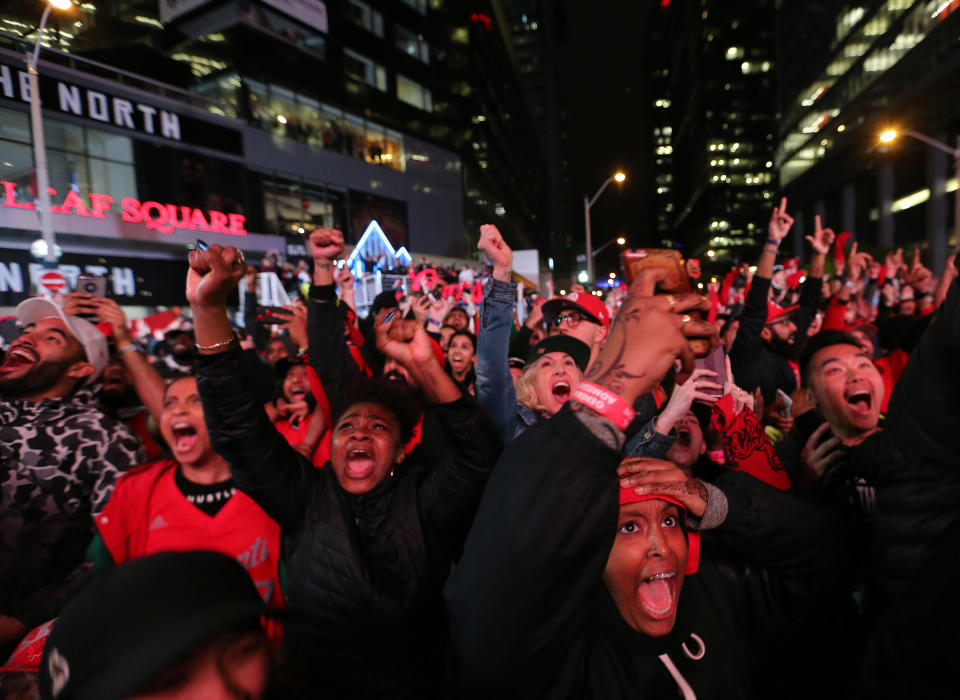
x,y
93,104
6,82
123,279
97,106
11,278
70,99
123,282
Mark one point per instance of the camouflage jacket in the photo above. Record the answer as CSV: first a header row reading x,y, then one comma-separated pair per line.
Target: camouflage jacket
x,y
58,461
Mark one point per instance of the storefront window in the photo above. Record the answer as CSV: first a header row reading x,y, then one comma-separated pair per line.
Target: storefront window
x,y
294,208
110,146
14,126
81,159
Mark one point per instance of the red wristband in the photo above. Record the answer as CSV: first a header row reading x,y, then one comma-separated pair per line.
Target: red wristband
x,y
606,403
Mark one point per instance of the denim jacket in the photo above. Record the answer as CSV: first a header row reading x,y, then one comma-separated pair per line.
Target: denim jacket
x,y
649,443
494,383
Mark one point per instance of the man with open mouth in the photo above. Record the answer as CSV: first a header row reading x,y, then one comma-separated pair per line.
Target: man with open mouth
x,y
59,457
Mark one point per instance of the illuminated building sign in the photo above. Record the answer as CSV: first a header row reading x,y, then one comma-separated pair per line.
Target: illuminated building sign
x,y
103,107
165,218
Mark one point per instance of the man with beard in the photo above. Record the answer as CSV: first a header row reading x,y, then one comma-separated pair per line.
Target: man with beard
x,y
765,350
179,360
59,457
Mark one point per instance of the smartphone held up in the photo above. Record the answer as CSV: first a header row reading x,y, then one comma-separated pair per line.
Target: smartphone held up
x,y
676,280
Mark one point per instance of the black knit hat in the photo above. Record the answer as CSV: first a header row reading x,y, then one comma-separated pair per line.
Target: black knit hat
x,y
133,622
577,349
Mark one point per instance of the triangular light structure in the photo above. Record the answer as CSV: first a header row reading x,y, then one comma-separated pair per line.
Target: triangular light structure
x,y
372,244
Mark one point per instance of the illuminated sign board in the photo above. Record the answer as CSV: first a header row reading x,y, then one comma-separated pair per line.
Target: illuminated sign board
x,y
165,218
107,108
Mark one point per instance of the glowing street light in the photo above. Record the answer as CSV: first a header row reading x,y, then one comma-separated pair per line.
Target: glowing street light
x,y
711,253
889,135
619,240
619,176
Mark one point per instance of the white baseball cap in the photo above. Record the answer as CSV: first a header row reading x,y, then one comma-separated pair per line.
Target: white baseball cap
x,y
88,335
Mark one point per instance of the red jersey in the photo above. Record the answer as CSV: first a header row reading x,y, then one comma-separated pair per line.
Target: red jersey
x,y
295,434
148,513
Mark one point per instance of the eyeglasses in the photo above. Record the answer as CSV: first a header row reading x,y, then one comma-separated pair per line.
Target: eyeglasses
x,y
572,317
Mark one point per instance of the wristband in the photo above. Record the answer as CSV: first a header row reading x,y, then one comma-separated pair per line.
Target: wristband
x,y
774,242
606,403
434,322
130,348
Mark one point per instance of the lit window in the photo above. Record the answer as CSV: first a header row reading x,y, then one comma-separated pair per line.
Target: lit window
x,y
363,69
411,44
418,5
414,94
735,52
361,14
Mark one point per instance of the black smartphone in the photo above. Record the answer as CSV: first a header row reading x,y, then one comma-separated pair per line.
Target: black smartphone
x,y
806,423
273,315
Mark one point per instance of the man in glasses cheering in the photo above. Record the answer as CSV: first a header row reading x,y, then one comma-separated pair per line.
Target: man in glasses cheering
x,y
580,315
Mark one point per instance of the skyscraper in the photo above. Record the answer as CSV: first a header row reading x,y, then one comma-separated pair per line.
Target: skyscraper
x,y
713,97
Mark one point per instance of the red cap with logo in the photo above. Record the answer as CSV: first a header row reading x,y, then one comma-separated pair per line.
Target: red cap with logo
x,y
775,312
587,304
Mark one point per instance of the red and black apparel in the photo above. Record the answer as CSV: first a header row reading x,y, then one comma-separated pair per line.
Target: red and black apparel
x,y
154,508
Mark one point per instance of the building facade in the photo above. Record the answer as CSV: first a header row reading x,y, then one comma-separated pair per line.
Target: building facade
x,y
287,114
713,100
850,71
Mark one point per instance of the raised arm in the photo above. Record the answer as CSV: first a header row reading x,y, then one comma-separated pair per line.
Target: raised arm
x,y
147,382
449,494
327,347
494,384
923,406
263,464
748,343
518,600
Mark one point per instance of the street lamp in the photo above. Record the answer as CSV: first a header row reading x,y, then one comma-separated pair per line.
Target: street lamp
x,y
39,146
587,203
619,240
890,134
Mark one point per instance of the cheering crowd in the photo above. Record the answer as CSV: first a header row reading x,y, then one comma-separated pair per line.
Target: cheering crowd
x,y
651,494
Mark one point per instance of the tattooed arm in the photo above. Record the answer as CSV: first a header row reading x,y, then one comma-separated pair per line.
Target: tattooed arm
x,y
647,335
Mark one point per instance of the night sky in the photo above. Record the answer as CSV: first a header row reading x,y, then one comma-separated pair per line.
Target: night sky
x,y
602,77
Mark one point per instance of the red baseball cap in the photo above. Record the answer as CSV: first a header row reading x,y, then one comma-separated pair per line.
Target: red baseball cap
x,y
587,304
775,312
693,538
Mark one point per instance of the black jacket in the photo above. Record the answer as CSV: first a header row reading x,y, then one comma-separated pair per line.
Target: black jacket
x,y
753,362
364,573
531,617
918,478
